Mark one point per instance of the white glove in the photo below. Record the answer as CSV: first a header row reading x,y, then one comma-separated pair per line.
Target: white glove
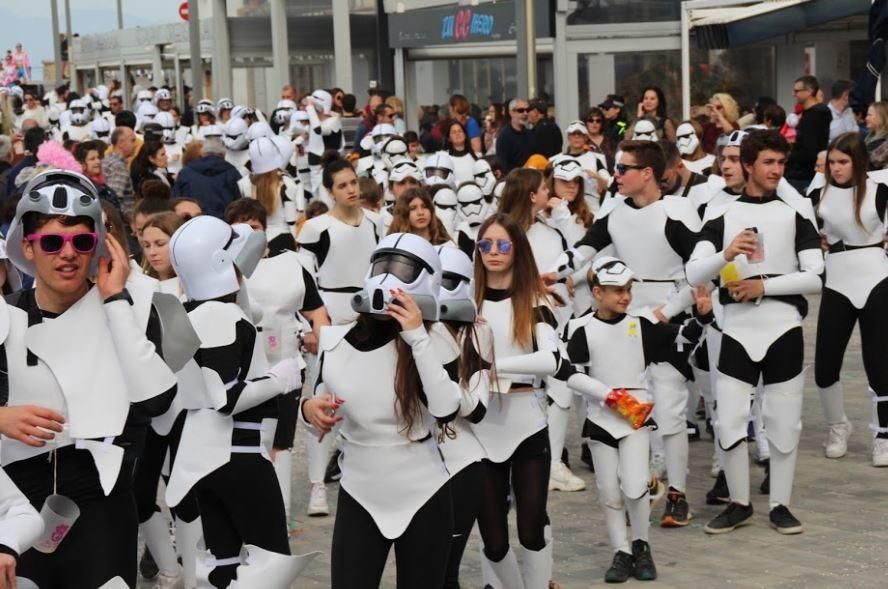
x,y
288,373
367,142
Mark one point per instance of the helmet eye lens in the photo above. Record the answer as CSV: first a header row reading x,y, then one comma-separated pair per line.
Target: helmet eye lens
x,y
451,281
401,267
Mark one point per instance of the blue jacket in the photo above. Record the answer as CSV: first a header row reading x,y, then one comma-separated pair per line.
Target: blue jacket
x,y
211,181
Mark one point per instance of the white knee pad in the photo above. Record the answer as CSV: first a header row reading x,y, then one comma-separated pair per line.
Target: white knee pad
x,y
156,532
607,474
782,413
633,455
670,394
733,397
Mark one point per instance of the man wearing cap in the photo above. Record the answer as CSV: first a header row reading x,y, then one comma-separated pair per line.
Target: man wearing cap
x,y
612,107
547,138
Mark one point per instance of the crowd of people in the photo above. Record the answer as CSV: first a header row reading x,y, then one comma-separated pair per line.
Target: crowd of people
x,y
186,289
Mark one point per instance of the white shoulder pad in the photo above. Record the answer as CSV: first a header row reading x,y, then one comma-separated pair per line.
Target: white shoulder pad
x,y
376,219
609,205
313,228
578,323
716,183
679,208
245,187
4,320
718,205
331,335
801,204
215,323
879,176
445,345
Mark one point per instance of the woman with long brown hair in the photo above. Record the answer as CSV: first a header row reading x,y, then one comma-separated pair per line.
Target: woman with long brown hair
x,y
414,212
456,143
512,299
852,209
266,184
383,376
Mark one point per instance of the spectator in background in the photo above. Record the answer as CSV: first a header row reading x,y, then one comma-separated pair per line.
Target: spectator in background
x,y
812,133
151,164
723,114
22,62
187,208
34,138
653,105
6,155
460,110
349,103
515,143
337,94
493,124
116,104
89,155
370,118
877,127
114,166
774,117
547,138
397,107
843,120
126,118
210,180
288,92
615,123
34,110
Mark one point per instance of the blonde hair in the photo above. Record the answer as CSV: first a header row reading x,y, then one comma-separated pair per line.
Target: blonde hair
x,y
880,109
166,222
267,189
732,110
192,151
396,104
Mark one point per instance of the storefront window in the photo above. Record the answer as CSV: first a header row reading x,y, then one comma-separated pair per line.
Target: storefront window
x,y
599,12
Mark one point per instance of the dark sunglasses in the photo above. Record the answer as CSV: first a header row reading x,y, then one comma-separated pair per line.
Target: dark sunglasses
x,y
594,120
623,168
503,246
52,243
521,110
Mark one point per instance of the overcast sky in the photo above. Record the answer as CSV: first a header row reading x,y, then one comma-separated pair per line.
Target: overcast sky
x,y
30,22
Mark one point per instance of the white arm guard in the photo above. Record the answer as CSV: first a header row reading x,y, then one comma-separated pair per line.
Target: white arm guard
x,y
443,396
20,524
805,281
705,263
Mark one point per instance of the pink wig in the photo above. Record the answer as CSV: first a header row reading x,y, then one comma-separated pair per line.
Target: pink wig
x,y
54,154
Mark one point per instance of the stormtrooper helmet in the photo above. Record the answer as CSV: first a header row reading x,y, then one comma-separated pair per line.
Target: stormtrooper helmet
x,y
471,205
146,113
577,127
102,92
403,169
208,131
569,169
686,139
736,138
405,261
207,253
144,96
323,101
79,115
284,111
224,104
612,271
101,129
299,124
56,192
259,129
285,146
265,155
242,112
381,134
205,107
484,176
161,95
393,149
446,204
439,169
457,295
644,130
168,125
235,134
53,115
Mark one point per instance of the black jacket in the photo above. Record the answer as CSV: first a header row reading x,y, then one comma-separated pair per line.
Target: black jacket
x,y
547,138
812,137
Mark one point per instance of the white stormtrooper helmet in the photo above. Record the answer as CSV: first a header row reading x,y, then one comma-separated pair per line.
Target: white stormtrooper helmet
x,y
457,295
162,94
569,169
146,113
259,129
285,146
56,192
224,104
439,169
168,124
210,131
206,252
612,271
299,123
393,150
102,92
284,111
446,204
205,107
644,130
686,139
484,177
242,112
577,127
101,129
265,155
381,175
79,114
323,100
235,134
53,115
144,96
404,168
381,134
470,198
401,261
736,138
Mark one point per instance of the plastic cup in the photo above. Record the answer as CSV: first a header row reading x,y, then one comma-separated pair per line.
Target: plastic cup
x,y
59,514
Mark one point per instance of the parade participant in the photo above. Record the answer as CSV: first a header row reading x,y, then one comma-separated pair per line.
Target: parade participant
x,y
78,128
485,178
473,354
163,99
438,169
325,132
645,129
762,331
513,301
206,115
170,140
617,347
446,203
679,180
593,162
852,209
403,176
155,239
223,440
266,184
687,139
384,378
58,236
20,527
456,143
654,235
653,106
471,211
414,213
100,129
236,144
223,110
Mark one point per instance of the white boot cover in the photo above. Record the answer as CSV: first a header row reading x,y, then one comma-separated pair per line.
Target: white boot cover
x,y
263,568
156,532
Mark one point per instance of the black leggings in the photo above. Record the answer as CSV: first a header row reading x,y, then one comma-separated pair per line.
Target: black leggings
x,y
147,474
240,503
528,472
466,503
102,543
835,322
360,550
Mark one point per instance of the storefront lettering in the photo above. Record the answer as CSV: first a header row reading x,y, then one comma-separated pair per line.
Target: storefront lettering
x,y
462,24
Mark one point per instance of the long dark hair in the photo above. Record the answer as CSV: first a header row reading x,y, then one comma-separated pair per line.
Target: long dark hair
x,y
467,147
401,215
853,146
661,100
142,166
515,201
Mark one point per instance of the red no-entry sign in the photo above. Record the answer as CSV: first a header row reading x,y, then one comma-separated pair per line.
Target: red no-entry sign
x,y
183,10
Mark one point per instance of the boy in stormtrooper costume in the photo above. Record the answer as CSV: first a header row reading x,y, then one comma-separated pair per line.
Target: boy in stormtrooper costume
x,y
471,211
282,116
439,170
616,348
58,236
688,144
654,235
231,414
774,248
403,175
395,485
325,132
78,128
679,180
236,144
170,141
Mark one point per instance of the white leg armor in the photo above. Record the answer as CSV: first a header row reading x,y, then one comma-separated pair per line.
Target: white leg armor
x,y
634,482
733,398
782,414
676,446
207,561
736,462
187,537
156,532
504,574
875,427
558,419
670,392
607,478
283,468
762,446
115,583
536,567
263,568
694,395
832,399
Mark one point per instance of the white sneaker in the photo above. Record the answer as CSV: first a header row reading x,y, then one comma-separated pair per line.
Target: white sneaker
x,y
837,439
168,581
561,479
658,466
317,500
880,452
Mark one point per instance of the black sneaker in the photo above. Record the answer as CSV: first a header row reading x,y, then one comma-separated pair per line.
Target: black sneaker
x,y
586,456
719,494
693,431
622,567
765,487
147,567
333,473
644,561
677,513
734,516
784,521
